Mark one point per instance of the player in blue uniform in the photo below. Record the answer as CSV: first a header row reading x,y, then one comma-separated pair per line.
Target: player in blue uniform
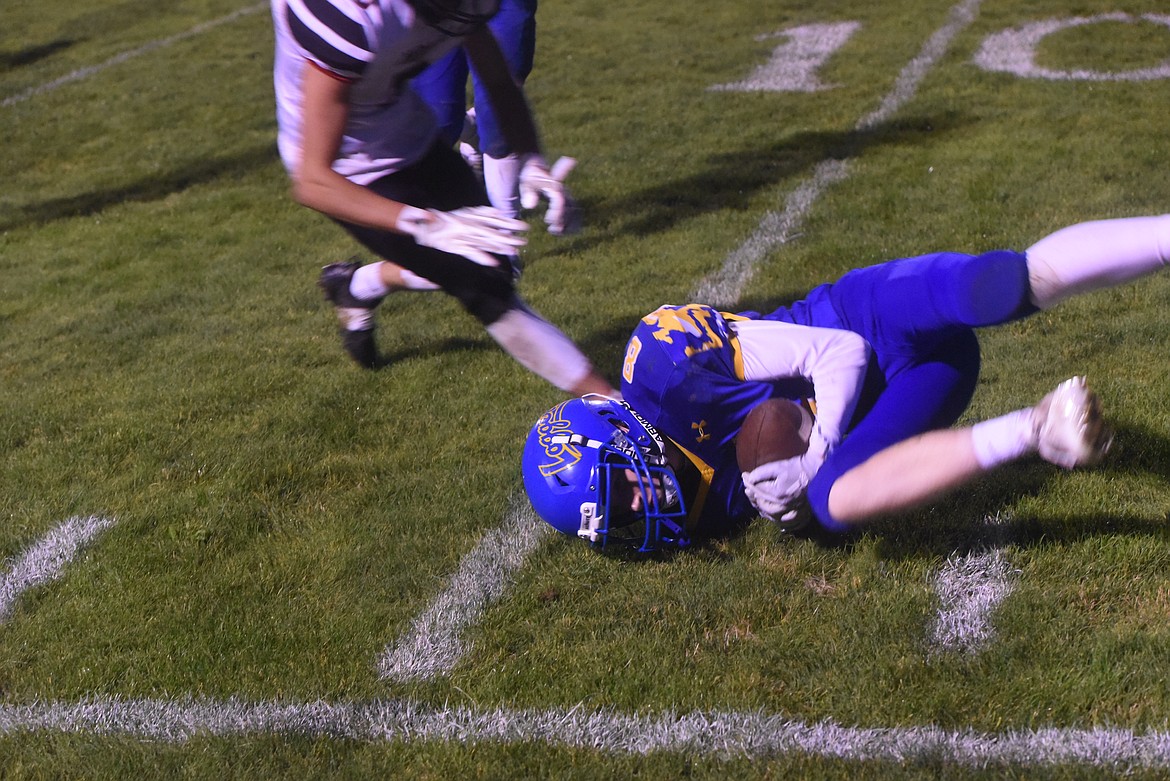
x,y
890,356
685,371
444,87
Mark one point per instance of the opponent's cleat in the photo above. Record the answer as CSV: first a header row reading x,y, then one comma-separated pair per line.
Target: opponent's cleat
x,y
361,347
1072,430
356,315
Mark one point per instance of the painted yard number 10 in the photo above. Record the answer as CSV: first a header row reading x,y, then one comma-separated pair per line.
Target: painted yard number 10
x,y
794,63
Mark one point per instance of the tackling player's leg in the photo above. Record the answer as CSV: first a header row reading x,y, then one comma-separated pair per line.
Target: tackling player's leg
x,y
355,292
486,292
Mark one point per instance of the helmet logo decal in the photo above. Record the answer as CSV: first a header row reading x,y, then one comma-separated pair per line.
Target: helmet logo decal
x,y
557,441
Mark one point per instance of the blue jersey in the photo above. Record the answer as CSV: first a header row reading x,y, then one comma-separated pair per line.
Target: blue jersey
x,y
684,372
683,367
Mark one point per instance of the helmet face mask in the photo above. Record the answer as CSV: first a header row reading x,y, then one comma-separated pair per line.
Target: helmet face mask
x,y
612,520
596,469
455,18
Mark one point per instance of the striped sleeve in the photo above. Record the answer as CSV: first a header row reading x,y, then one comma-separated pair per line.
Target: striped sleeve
x,y
329,36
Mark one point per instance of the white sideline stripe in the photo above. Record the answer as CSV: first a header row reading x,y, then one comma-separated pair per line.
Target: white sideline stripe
x,y
117,59
724,735
46,560
724,288
969,589
434,644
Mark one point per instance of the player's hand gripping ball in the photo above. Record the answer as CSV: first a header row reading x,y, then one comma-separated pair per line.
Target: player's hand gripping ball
x,y
775,430
771,449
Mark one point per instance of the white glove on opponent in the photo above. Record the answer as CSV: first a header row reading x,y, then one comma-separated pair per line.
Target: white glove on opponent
x,y
473,232
537,181
778,490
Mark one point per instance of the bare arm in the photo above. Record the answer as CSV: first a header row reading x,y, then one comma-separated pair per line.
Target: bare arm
x,y
905,475
315,183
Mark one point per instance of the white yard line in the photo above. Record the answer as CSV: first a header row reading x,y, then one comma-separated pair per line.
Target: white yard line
x,y
725,287
118,59
46,559
719,734
435,644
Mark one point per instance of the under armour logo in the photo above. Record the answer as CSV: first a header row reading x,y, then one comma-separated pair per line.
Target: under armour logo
x,y
701,436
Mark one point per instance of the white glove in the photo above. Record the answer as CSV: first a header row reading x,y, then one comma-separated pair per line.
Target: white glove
x,y
473,232
778,490
537,181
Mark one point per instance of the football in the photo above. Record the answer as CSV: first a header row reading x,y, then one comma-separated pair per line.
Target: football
x,y
774,430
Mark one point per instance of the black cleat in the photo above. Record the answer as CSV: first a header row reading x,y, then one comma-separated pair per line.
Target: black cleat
x,y
356,315
361,347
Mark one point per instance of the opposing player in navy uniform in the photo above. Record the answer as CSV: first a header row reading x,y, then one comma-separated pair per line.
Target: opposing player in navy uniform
x,y
889,355
363,148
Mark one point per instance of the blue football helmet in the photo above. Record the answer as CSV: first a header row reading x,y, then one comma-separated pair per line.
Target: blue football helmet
x,y
575,456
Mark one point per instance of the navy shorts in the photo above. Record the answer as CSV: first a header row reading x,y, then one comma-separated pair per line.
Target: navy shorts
x,y
441,180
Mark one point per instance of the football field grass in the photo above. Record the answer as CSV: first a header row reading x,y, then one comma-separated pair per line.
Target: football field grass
x,y
227,552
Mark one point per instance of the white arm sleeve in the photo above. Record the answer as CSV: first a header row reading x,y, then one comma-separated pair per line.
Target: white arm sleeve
x,y
833,360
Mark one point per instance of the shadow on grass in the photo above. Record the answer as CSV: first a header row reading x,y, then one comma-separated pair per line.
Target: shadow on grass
x,y
144,190
729,180
399,354
732,179
33,54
